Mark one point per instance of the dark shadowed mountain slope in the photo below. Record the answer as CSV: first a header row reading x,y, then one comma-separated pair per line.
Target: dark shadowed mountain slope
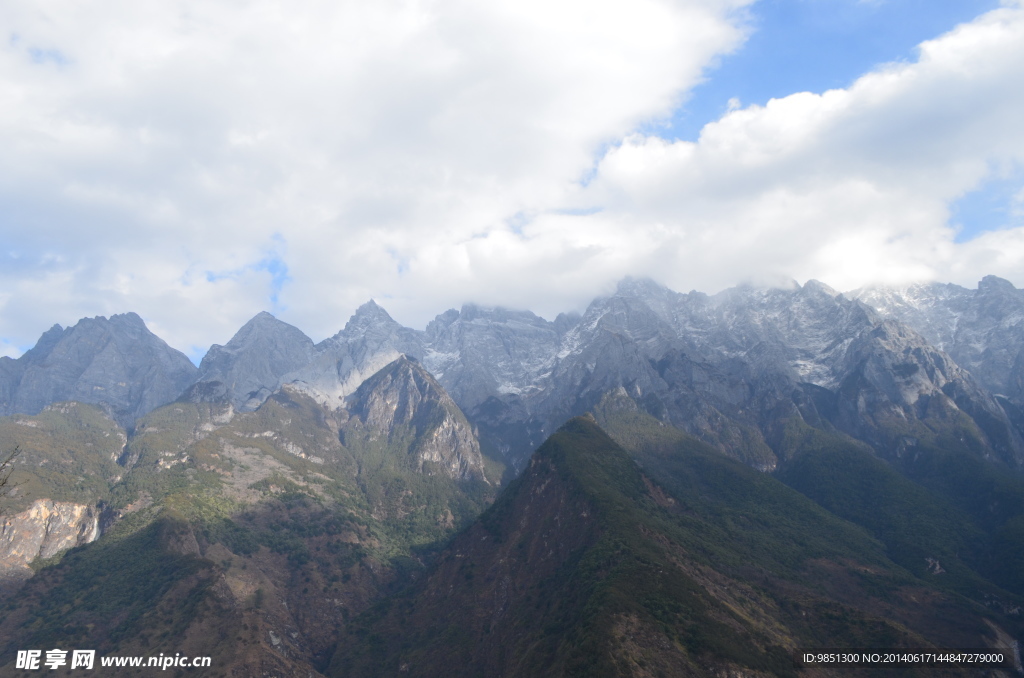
x,y
116,363
695,565
926,510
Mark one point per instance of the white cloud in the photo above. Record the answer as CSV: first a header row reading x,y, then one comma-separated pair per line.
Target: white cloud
x,y
156,152
849,186
182,158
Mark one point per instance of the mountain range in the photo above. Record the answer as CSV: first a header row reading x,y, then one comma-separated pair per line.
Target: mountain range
x,y
732,464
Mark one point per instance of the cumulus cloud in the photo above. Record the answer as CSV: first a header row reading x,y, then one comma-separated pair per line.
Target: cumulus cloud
x,y
200,161
168,157
851,186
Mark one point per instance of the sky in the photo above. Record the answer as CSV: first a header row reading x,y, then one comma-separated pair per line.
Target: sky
x,y
198,162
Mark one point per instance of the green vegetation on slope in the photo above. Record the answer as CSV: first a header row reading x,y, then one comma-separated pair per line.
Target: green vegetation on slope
x,y
301,529
691,564
68,452
106,592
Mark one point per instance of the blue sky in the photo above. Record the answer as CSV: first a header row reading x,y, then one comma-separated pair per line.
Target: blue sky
x,y
816,45
200,161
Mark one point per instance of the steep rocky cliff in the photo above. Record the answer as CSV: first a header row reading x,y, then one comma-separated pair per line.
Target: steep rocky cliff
x,y
981,329
44,530
404,406
733,368
369,341
730,368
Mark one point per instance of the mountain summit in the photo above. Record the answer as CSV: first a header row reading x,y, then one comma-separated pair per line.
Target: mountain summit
x,y
249,367
403,402
116,363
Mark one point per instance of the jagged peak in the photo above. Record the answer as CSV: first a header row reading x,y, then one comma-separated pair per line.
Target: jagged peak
x,y
566,321
817,286
369,314
129,318
47,340
473,311
263,316
402,364
265,319
755,290
402,372
993,283
371,307
441,322
640,287
102,321
128,324
263,324
54,331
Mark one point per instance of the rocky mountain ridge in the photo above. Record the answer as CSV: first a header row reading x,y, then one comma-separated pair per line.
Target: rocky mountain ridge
x,y
726,367
730,368
261,524
116,363
261,352
403,399
982,329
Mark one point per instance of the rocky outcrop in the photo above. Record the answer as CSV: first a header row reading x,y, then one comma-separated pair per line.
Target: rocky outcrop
x,y
116,363
44,530
477,353
982,329
404,405
895,379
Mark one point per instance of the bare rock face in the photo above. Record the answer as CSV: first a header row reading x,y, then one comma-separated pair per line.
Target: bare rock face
x,y
730,368
116,363
247,369
370,340
479,352
403,402
982,329
44,530
733,367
